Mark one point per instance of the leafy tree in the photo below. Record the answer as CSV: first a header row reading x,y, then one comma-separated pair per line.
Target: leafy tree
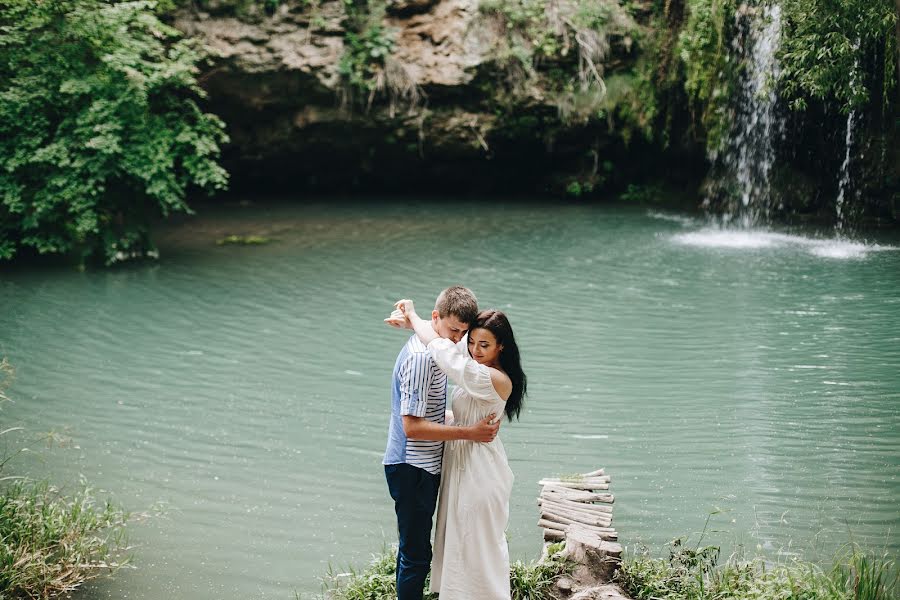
x,y
100,131
827,46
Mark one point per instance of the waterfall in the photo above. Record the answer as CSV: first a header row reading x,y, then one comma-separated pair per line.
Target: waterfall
x,y
749,152
844,181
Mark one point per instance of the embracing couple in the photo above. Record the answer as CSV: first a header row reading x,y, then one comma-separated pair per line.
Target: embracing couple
x,y
453,454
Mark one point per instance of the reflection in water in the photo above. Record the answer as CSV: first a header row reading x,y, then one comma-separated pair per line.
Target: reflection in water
x,y
245,389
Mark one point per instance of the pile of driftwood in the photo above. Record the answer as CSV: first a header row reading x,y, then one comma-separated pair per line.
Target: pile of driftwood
x,y
581,501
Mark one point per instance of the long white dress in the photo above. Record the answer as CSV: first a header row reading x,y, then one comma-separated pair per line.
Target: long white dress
x,y
471,558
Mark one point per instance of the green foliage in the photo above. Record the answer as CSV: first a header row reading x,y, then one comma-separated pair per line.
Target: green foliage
x,y
378,580
364,56
533,581
709,76
695,574
824,50
559,48
367,66
99,128
632,102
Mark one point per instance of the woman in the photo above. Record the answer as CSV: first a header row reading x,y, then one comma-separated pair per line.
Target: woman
x,y
471,559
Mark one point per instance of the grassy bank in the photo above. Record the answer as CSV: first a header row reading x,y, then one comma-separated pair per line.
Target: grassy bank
x,y
686,574
376,581
50,542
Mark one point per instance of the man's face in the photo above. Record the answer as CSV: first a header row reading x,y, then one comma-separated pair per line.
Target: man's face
x,y
449,327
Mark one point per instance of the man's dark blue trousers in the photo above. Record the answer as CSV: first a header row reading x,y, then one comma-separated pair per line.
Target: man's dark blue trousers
x,y
415,493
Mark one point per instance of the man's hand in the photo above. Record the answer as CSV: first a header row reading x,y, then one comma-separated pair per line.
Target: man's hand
x,y
484,430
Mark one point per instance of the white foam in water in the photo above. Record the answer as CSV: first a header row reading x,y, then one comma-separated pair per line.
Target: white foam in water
x,y
682,220
842,249
750,239
723,238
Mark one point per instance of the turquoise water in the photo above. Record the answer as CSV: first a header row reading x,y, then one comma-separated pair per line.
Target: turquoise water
x,y
236,398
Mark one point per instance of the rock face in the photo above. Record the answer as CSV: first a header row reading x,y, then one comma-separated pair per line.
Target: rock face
x,y
440,114
433,117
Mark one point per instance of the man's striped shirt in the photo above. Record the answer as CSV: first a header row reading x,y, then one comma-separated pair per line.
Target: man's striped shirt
x,y
420,390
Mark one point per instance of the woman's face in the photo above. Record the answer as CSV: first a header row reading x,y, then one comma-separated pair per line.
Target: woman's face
x,y
484,348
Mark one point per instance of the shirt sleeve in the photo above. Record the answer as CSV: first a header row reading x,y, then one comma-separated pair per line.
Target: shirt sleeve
x,y
415,377
462,369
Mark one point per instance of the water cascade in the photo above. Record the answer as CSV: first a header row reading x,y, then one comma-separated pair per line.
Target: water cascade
x,y
844,181
749,153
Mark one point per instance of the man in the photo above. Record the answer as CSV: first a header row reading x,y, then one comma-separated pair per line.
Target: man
x,y
412,461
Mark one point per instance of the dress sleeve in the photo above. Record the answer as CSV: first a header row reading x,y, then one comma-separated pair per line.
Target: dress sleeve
x,y
462,369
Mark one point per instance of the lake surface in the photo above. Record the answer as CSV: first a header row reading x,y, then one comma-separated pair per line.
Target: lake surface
x,y
239,395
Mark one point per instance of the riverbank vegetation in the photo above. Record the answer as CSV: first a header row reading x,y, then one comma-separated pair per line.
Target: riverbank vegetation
x,y
377,580
52,542
100,130
686,574
698,574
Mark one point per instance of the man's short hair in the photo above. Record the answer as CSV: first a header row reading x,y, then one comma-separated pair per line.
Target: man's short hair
x,y
459,302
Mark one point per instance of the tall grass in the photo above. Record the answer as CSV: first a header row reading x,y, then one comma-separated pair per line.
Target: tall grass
x,y
696,574
51,543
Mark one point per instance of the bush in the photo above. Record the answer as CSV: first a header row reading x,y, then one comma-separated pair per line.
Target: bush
x,y
100,131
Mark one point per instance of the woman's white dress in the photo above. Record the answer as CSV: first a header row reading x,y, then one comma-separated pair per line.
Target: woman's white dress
x,y
471,558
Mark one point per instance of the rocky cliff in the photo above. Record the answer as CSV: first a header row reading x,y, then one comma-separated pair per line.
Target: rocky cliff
x,y
447,105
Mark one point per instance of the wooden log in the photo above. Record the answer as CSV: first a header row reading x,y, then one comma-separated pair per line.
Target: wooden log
x,y
578,479
551,525
575,486
554,514
555,535
576,495
567,521
584,509
595,508
552,535
595,473
574,507
606,531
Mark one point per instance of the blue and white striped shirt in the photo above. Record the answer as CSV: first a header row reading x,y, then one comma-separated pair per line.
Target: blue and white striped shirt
x,y
420,390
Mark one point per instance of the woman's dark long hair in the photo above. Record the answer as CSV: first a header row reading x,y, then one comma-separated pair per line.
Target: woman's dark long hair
x,y
497,323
